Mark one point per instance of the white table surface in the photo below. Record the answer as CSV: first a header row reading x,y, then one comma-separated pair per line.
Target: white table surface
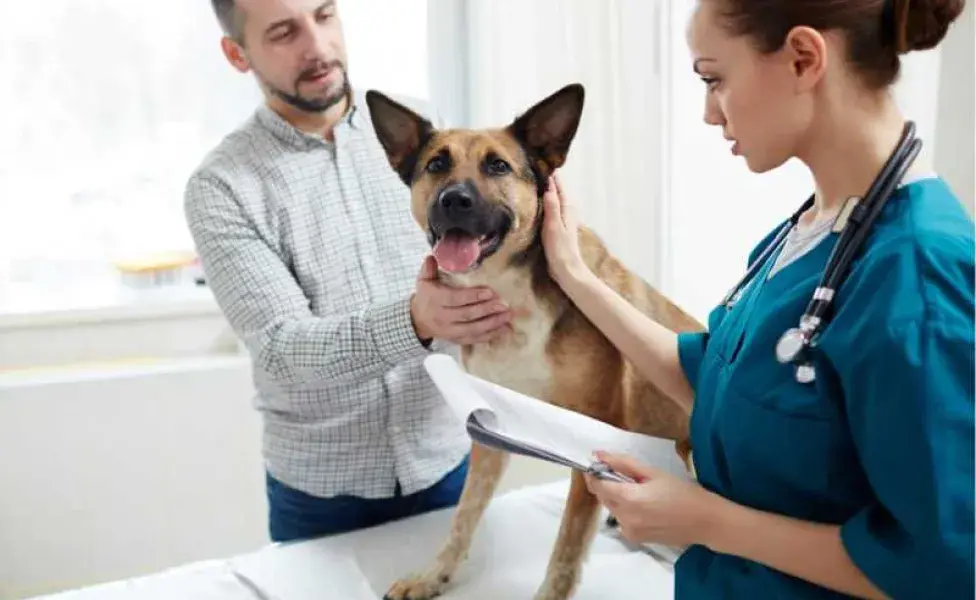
x,y
507,560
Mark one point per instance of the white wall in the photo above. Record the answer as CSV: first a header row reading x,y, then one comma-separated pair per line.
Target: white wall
x,y
956,126
122,472
387,44
614,166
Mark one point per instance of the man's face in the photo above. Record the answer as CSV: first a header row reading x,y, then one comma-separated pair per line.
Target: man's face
x,y
296,50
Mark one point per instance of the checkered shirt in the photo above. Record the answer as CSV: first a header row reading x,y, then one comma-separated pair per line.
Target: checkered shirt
x,y
311,253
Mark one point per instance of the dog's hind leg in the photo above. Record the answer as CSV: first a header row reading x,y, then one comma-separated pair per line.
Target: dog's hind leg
x,y
484,472
576,532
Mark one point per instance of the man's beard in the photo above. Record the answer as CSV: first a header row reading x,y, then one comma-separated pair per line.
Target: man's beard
x,y
312,105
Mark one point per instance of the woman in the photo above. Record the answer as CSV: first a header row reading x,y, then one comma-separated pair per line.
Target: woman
x,y
860,483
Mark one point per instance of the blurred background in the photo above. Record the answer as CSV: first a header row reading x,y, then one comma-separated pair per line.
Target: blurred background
x,y
109,345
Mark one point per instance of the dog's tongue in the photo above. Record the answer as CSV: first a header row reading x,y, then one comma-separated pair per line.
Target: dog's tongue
x,y
456,252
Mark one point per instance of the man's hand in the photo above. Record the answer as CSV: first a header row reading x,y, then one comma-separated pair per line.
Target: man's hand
x,y
459,315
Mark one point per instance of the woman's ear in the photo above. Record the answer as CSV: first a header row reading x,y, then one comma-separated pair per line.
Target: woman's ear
x,y
806,50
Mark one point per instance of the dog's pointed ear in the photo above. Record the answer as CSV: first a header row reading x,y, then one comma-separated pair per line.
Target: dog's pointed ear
x,y
547,129
401,132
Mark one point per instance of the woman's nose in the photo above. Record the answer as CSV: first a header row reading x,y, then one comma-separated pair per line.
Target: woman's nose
x,y
713,113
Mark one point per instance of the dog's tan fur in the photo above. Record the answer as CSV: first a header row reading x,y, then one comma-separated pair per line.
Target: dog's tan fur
x,y
552,351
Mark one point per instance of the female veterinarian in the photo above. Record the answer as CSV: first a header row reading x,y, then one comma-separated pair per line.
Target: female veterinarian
x,y
844,469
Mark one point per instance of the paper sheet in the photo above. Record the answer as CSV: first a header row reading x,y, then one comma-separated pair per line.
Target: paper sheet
x,y
522,418
327,572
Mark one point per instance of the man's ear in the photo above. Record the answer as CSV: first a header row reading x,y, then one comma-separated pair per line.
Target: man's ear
x,y
235,54
401,132
547,129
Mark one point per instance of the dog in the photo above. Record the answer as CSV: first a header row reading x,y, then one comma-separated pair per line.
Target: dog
x,y
477,194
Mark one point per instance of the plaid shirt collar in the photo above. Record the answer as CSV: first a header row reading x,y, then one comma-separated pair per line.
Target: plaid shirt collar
x,y
353,120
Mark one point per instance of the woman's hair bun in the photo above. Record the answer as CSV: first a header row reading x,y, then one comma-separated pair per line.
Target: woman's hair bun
x,y
921,24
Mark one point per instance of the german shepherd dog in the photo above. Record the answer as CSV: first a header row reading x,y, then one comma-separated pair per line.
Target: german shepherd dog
x,y
478,196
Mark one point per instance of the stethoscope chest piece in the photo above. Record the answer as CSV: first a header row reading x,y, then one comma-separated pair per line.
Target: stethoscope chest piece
x,y
791,348
790,345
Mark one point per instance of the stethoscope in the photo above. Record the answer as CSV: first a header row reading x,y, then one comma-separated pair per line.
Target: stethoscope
x,y
853,221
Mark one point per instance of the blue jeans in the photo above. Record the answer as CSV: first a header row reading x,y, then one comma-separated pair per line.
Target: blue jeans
x,y
294,515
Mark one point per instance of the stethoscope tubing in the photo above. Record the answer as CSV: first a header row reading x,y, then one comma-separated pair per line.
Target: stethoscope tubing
x,y
794,343
864,215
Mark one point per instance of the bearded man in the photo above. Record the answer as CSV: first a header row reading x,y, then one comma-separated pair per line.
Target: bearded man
x,y
306,240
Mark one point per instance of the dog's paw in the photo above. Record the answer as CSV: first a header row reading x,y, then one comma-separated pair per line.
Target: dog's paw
x,y
556,588
418,587
551,594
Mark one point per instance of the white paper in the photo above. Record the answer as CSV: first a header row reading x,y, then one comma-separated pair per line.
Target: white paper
x,y
305,571
567,433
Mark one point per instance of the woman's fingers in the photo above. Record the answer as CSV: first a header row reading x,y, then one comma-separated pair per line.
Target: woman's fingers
x,y
552,203
627,465
556,185
566,209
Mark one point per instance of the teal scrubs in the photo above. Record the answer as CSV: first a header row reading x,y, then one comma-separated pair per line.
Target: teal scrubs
x,y
882,443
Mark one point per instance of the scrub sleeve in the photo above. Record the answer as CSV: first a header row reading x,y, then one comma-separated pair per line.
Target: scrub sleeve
x,y
691,352
909,385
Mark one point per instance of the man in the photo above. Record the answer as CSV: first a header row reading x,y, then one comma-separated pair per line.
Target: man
x,y
305,236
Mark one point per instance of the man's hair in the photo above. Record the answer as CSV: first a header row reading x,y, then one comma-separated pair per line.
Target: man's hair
x,y
226,11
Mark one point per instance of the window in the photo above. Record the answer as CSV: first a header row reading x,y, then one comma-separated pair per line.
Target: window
x,y
109,105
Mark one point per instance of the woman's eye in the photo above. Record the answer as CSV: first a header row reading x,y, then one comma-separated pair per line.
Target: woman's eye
x,y
498,166
710,82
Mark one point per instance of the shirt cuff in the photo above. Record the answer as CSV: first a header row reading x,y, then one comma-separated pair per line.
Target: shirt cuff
x,y
393,332
691,352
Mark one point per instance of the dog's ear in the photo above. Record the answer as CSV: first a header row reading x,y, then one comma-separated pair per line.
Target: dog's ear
x,y
547,129
401,132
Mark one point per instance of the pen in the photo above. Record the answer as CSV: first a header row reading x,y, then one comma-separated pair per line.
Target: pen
x,y
603,471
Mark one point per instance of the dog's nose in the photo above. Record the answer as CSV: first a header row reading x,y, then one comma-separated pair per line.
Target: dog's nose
x,y
456,198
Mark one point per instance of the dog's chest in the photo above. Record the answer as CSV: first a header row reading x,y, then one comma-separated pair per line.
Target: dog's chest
x,y
518,360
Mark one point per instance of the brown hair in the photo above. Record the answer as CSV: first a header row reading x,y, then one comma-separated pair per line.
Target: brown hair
x,y
877,31
229,19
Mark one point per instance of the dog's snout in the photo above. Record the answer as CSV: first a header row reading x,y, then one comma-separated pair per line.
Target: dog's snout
x,y
460,205
456,198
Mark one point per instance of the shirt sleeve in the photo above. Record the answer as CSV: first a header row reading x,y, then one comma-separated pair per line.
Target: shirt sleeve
x,y
268,310
909,400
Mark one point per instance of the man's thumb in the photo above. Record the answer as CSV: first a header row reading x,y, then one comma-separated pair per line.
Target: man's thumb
x,y
428,269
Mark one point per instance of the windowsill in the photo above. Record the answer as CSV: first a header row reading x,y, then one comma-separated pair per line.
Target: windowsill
x,y
26,307
115,370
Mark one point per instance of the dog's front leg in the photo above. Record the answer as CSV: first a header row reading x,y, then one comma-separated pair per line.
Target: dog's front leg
x,y
484,472
576,532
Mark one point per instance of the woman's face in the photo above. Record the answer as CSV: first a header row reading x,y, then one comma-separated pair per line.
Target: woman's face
x,y
753,97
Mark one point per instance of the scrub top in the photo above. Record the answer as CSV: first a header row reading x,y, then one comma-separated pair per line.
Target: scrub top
x,y
881,443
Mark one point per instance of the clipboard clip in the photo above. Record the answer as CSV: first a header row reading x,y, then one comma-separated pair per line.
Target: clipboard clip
x,y
601,470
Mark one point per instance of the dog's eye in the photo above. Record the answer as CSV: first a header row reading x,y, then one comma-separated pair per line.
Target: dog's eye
x,y
497,166
436,165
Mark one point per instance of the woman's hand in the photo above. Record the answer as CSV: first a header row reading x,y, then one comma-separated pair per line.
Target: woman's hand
x,y
560,234
659,508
